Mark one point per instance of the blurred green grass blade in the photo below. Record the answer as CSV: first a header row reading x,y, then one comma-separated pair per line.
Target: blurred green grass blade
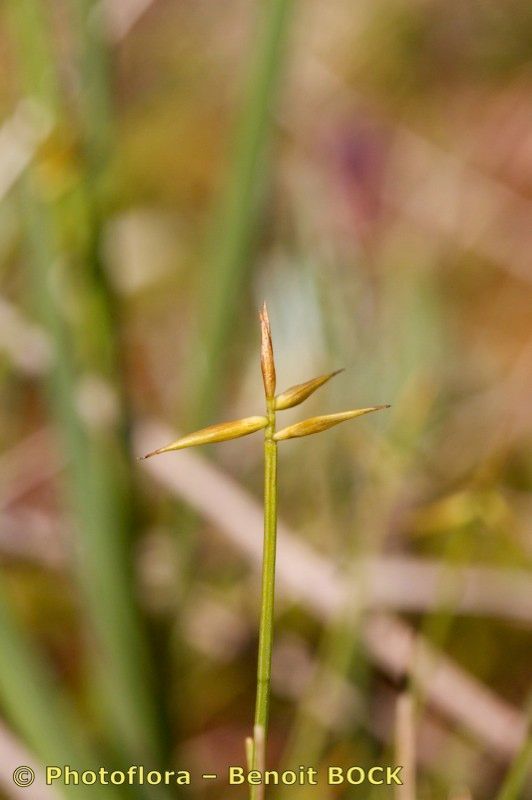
x,y
515,781
36,63
520,771
237,215
131,650
98,482
38,711
95,98
99,474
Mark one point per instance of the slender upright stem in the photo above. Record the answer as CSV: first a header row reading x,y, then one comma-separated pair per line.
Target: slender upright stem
x,y
267,602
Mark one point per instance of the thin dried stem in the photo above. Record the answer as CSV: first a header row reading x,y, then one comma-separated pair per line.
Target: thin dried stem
x,y
405,746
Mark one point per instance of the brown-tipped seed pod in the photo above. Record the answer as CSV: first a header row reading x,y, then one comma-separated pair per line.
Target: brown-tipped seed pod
x,y
214,433
318,424
298,393
266,354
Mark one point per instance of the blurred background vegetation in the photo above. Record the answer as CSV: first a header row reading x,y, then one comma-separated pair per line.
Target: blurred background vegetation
x,y
165,165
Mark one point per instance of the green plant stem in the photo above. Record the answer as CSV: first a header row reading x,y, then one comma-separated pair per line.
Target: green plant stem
x,y
268,596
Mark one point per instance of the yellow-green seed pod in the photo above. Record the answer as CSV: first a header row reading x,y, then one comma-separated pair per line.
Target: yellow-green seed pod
x,y
298,393
267,362
317,424
221,432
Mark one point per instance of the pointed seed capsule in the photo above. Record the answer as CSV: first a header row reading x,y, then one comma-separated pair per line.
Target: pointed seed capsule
x,y
266,354
318,424
221,432
298,393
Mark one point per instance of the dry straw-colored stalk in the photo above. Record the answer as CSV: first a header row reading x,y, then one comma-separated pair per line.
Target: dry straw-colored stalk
x,y
405,746
256,745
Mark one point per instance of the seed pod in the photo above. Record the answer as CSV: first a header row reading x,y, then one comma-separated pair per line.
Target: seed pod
x,y
215,433
318,424
296,394
266,354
